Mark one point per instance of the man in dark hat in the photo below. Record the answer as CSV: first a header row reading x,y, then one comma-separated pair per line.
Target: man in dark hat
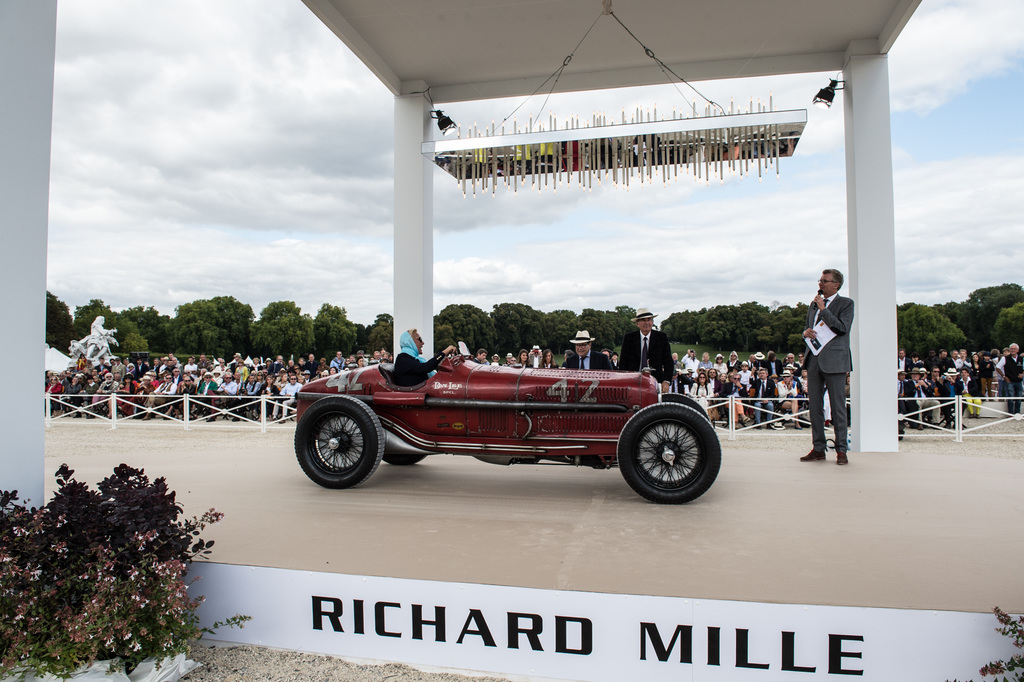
x,y
584,358
647,348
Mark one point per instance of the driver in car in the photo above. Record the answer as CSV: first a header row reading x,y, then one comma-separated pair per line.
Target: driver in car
x,y
410,367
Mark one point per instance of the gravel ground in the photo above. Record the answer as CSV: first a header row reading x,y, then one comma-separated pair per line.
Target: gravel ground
x,y
257,664
261,664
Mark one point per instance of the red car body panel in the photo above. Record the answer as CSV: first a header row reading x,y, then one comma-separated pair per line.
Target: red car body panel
x,y
469,408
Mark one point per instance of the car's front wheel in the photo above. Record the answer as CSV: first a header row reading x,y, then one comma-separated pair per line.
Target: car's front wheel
x,y
668,453
339,442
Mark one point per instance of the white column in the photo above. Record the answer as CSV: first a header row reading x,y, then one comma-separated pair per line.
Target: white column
x,y
28,33
872,251
414,221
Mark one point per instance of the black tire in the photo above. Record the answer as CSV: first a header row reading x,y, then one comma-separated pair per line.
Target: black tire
x,y
339,442
680,399
669,454
402,460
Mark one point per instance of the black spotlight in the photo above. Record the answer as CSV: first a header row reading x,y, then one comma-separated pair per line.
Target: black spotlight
x,y
823,100
444,123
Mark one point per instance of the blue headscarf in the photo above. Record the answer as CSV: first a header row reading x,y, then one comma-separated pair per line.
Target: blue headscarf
x,y
408,346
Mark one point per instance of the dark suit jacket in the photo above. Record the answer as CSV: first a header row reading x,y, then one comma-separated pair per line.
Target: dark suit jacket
x,y
597,361
659,354
834,358
971,388
770,391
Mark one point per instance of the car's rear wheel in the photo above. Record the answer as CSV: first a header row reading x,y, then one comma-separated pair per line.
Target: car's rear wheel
x,y
339,442
669,453
403,460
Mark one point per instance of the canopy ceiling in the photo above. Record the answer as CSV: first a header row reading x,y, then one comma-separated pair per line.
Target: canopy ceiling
x,y
482,49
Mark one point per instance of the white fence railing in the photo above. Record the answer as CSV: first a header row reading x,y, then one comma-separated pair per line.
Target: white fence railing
x,y
959,417
188,410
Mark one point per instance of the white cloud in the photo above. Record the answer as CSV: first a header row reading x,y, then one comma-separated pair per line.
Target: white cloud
x,y
949,44
200,113
237,148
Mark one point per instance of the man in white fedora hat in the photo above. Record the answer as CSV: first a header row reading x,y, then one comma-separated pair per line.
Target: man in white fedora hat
x,y
584,358
647,347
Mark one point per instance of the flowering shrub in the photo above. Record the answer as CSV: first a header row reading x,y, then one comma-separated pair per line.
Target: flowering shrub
x,y
98,574
1014,629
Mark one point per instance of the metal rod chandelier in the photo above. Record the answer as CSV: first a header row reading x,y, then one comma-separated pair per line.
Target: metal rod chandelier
x,y
641,150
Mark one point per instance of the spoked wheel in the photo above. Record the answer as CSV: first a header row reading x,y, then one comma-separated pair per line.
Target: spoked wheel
x,y
681,399
339,442
669,453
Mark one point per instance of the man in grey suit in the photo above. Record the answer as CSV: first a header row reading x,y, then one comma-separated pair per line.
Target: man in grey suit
x,y
826,369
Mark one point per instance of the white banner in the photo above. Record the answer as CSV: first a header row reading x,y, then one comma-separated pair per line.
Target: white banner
x,y
588,635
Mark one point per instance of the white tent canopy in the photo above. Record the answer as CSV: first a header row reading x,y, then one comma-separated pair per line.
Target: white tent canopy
x,y
56,361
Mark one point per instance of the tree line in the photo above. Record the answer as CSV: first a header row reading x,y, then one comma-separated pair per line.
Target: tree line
x,y
223,325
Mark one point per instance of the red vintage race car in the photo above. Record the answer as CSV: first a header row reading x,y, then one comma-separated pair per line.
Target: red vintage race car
x,y
667,449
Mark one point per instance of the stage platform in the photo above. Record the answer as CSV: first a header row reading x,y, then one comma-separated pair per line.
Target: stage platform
x,y
913,530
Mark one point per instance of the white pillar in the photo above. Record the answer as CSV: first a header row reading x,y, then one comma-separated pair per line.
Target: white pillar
x,y
872,251
414,221
28,34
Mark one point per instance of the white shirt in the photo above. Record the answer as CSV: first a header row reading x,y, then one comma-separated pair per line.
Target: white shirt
x,y
166,389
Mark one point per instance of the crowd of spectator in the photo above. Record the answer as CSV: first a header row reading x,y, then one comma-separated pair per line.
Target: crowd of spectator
x,y
926,386
229,389
770,386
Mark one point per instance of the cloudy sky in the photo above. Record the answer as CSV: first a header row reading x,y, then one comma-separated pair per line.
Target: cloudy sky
x,y
238,148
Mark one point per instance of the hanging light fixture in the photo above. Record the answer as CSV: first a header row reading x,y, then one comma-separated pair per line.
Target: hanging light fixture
x,y
716,143
823,100
444,123
624,151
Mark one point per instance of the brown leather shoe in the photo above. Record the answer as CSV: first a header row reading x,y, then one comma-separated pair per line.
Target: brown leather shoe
x,y
841,458
813,456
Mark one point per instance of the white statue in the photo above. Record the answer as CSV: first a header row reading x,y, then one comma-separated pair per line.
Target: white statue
x,y
96,346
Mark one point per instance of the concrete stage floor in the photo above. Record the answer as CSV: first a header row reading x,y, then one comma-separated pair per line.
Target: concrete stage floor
x,y
910,530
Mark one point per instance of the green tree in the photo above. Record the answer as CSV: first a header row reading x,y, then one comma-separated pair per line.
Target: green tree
x,y
783,331
624,323
516,325
1009,326
795,340
130,339
444,336
236,318
153,327
465,322
684,326
921,328
982,307
86,314
282,330
219,326
735,327
363,336
332,331
381,335
557,327
605,327
60,326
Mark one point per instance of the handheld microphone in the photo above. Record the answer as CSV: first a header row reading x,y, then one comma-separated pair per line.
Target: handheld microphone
x,y
814,342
